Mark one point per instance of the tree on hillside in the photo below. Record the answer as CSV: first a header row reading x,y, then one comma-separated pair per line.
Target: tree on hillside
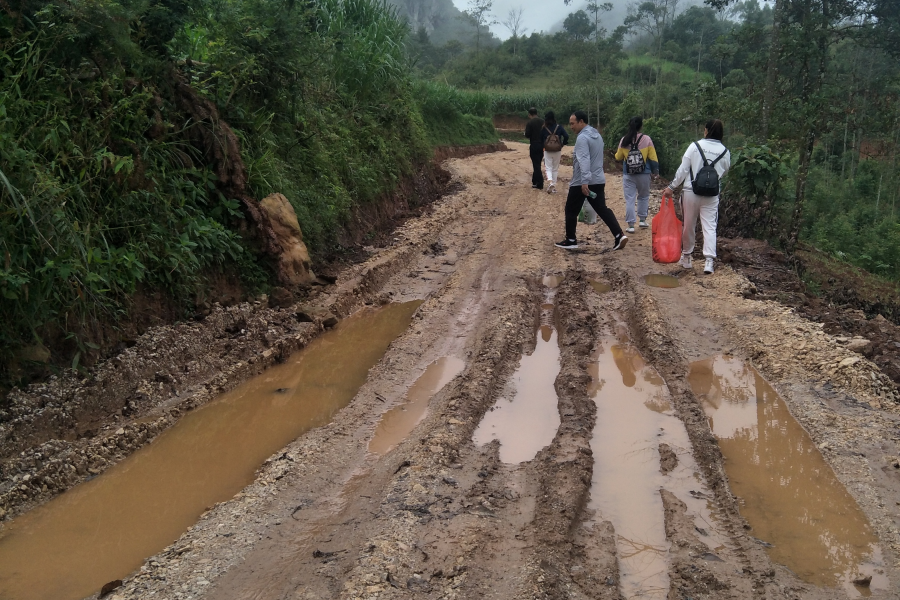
x,y
480,14
596,8
578,26
652,17
513,22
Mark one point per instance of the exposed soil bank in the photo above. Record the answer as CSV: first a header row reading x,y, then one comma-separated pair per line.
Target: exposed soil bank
x,y
855,307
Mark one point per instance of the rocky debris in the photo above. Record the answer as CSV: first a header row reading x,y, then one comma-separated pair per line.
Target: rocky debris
x,y
767,271
281,298
294,267
785,343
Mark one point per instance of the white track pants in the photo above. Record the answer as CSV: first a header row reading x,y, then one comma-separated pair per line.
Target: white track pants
x,y
707,209
551,165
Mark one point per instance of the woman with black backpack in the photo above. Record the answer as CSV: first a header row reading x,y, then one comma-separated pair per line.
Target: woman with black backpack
x,y
639,160
704,163
553,138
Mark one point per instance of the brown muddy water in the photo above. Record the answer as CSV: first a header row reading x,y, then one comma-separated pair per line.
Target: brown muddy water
x,y
661,281
526,418
599,286
789,494
399,421
634,415
103,529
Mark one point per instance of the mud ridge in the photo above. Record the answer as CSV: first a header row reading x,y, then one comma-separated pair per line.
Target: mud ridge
x,y
566,466
56,434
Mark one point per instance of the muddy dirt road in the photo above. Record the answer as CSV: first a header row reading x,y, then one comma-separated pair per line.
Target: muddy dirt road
x,y
542,424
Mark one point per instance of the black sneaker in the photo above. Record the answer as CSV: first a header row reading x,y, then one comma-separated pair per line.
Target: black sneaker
x,y
567,244
619,242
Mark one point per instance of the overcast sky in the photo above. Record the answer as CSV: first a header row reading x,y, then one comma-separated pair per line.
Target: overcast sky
x,y
548,15
539,15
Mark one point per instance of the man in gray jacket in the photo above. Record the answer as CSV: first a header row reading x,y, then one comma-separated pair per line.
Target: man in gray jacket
x,y
588,178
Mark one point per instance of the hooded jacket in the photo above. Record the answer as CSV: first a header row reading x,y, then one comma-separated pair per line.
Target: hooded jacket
x,y
588,158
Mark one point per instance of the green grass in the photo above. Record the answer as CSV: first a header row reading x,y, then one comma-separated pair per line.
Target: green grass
x,y
683,72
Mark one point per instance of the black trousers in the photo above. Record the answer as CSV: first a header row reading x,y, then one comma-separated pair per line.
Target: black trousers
x,y
537,157
574,202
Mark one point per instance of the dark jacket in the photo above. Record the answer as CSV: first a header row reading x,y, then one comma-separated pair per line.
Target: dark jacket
x,y
533,132
560,131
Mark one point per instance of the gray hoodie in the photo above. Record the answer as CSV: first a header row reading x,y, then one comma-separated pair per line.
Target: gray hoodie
x,y
588,160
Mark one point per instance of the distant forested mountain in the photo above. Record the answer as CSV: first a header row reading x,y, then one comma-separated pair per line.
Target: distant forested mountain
x,y
441,20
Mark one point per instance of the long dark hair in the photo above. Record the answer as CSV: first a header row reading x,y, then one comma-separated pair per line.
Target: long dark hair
x,y
715,129
634,126
549,119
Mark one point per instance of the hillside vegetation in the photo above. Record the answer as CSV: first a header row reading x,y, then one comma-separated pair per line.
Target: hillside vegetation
x,y
809,92
136,139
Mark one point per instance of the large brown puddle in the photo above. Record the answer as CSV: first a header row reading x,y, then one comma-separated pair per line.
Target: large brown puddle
x,y
527,419
634,415
103,529
789,494
396,423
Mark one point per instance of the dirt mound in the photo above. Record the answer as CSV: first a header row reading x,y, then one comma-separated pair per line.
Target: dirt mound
x,y
847,302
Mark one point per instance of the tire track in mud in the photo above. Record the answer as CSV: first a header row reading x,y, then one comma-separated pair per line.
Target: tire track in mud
x,y
565,468
690,575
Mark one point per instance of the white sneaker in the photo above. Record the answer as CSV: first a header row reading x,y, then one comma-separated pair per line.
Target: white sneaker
x,y
630,229
708,267
686,261
643,224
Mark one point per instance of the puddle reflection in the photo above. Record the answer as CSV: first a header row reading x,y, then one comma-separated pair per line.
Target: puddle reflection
x,y
103,529
528,421
634,415
399,421
790,496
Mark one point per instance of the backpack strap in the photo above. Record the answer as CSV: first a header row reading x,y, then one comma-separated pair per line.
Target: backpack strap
x,y
713,163
702,155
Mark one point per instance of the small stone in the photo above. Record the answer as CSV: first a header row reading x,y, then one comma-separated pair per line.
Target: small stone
x,y
862,580
847,362
120,431
860,346
436,449
455,421
329,320
109,587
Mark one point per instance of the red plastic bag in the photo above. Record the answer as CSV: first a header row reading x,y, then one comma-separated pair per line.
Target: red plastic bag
x,y
666,227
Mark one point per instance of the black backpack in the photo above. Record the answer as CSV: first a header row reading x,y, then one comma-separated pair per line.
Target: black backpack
x,y
634,162
707,181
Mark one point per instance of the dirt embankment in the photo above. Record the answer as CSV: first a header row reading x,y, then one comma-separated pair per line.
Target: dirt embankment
x,y
72,427
851,305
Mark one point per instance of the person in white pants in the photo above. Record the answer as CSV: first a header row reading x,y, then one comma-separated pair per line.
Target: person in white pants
x,y
694,206
552,157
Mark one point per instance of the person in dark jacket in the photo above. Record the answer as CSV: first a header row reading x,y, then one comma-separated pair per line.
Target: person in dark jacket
x,y
552,157
536,147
